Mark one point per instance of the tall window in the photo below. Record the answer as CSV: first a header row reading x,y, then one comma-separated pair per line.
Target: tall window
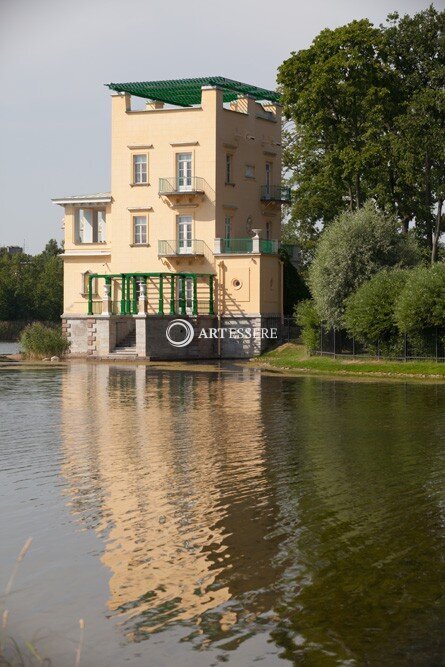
x,y
228,168
139,229
268,230
227,231
268,176
140,169
90,226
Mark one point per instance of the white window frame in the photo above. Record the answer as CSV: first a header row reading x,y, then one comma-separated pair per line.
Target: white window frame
x,y
139,174
138,229
98,226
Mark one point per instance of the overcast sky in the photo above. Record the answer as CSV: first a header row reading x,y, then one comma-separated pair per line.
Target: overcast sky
x,y
55,56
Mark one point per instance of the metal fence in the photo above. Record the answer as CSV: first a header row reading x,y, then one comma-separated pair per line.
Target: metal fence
x,y
290,330
426,344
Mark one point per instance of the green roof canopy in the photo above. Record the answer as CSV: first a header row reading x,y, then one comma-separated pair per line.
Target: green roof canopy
x,y
187,92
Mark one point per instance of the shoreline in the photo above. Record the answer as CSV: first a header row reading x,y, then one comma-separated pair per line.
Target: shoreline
x,y
288,360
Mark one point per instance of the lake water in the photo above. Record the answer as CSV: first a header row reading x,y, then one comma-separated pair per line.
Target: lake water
x,y
200,517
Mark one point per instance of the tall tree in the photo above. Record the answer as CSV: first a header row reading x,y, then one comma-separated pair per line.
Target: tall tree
x,y
365,106
414,46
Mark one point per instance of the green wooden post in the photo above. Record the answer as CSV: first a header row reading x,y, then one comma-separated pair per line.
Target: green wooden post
x,y
182,304
90,295
128,295
161,295
135,297
172,294
195,296
123,294
211,308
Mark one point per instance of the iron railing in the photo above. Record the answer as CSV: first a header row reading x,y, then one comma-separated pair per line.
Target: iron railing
x,y
181,247
425,344
275,193
246,246
177,185
268,247
241,246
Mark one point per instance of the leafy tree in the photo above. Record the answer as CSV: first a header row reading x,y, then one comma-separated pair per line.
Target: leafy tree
x,y
366,111
31,287
421,304
294,287
307,317
351,250
415,48
370,311
341,95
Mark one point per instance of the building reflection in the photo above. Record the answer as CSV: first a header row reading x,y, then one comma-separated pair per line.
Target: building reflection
x,y
169,468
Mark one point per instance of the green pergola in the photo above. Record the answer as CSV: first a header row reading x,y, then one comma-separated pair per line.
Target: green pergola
x,y
129,296
187,92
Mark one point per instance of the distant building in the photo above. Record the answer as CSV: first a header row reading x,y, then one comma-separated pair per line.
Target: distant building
x,y
11,249
190,228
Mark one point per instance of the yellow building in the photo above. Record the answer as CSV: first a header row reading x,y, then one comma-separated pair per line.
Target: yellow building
x,y
190,228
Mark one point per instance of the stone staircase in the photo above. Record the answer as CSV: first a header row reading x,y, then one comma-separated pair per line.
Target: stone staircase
x,y
126,348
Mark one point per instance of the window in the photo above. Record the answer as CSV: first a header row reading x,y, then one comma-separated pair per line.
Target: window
x,y
268,176
184,179
228,168
227,232
139,229
268,231
84,284
140,169
228,227
249,222
90,226
249,171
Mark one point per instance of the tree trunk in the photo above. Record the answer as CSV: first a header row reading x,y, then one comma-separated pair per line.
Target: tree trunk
x,y
437,231
358,191
429,226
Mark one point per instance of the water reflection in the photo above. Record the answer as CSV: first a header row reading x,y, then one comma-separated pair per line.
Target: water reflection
x,y
236,504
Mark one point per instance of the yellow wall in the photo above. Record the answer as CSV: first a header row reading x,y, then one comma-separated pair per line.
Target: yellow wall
x,y
209,132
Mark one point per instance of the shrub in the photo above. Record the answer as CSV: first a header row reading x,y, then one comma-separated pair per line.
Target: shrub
x,y
370,312
306,316
421,304
351,250
38,341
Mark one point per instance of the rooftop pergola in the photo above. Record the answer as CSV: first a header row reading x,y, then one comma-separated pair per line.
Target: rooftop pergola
x,y
187,92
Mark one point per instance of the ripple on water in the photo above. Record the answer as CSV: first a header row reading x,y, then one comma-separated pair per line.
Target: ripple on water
x,y
236,506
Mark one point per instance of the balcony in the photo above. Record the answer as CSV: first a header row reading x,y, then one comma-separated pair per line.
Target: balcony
x,y
181,248
246,246
179,186
275,193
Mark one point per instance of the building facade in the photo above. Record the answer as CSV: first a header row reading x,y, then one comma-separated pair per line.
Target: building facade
x,y
190,229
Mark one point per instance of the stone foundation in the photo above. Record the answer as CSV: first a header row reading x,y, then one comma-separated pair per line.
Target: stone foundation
x,y
213,337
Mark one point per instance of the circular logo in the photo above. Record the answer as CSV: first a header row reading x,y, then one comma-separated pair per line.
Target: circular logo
x,y
185,329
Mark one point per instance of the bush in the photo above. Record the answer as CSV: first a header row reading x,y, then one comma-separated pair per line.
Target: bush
x,y
420,308
38,341
370,312
351,250
421,304
306,316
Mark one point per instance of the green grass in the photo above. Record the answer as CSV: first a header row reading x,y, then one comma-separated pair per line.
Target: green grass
x,y
294,357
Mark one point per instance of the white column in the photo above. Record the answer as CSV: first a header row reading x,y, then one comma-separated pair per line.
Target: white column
x,y
106,300
217,250
142,297
256,241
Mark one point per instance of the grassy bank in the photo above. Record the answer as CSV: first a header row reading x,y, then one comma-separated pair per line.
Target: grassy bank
x,y
293,357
